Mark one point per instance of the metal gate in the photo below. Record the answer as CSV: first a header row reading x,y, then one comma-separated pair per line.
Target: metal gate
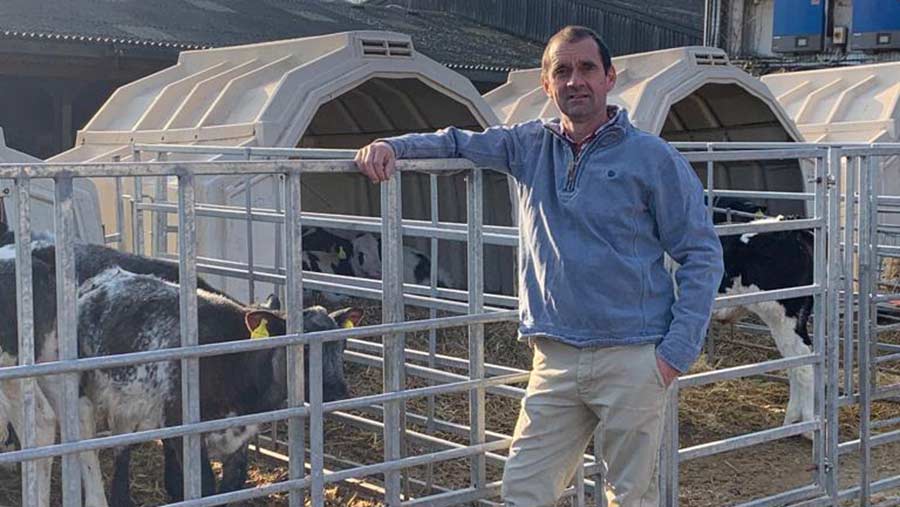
x,y
843,212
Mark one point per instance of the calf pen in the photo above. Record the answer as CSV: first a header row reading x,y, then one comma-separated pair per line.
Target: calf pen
x,y
844,212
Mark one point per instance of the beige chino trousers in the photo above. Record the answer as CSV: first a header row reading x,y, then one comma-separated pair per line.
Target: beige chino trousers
x,y
571,392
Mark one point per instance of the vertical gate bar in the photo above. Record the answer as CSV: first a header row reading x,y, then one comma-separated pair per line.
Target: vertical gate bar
x,y
248,208
865,293
819,319
137,219
392,311
833,332
279,232
294,290
579,486
850,259
160,218
67,333
120,210
674,459
432,313
600,476
32,492
316,425
475,218
711,196
665,454
190,368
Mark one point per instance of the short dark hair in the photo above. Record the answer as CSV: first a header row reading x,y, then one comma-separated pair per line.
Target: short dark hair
x,y
575,33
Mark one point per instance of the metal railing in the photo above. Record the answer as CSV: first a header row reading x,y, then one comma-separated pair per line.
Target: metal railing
x,y
834,291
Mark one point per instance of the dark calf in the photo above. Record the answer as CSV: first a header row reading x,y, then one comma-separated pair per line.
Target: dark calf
x,y
122,312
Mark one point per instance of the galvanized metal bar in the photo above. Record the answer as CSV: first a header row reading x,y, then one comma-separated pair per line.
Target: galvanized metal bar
x,y
280,186
165,433
227,167
295,360
786,497
755,228
874,150
820,275
448,299
848,262
885,423
160,220
251,151
431,360
422,438
251,264
187,299
673,444
475,265
767,194
67,332
316,425
137,218
392,311
579,486
866,290
406,394
830,463
432,333
245,494
881,439
493,234
33,493
430,374
711,209
750,439
233,347
363,288
396,465
316,361
746,370
767,295
748,155
456,497
120,210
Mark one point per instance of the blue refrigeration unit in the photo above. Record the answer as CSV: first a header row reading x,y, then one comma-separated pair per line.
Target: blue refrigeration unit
x,y
876,24
798,26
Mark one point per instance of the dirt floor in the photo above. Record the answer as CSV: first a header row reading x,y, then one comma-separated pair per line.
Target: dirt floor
x,y
706,414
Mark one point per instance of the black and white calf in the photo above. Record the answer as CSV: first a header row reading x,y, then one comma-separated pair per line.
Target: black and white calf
x,y
121,312
90,261
769,261
366,261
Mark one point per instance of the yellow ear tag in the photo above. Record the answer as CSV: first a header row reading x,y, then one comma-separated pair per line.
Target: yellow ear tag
x,y
342,255
261,331
347,324
760,214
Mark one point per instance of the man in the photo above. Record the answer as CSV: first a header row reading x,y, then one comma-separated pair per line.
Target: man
x,y
600,204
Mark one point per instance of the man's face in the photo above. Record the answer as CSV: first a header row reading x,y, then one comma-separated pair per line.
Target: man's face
x,y
576,80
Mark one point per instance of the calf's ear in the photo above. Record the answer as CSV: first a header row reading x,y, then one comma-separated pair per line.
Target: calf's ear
x,y
347,317
273,302
262,324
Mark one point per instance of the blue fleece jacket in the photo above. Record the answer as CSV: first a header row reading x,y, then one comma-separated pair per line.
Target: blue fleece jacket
x,y
593,230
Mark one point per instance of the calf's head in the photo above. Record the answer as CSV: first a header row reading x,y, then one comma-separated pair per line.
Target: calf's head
x,y
366,256
272,366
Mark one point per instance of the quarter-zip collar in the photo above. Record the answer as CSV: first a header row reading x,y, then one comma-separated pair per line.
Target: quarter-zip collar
x,y
613,112
610,133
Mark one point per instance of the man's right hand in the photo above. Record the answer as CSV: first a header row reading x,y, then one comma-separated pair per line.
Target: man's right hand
x,y
376,161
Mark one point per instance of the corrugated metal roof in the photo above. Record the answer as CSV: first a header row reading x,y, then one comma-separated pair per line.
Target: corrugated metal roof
x,y
177,24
